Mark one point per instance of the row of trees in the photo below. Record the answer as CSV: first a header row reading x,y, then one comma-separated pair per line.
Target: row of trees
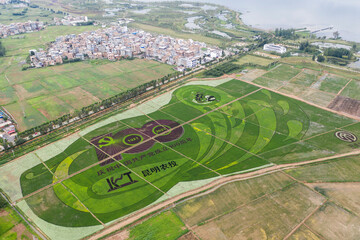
x,y
319,58
98,106
221,69
338,52
3,203
85,23
308,48
2,50
22,13
286,33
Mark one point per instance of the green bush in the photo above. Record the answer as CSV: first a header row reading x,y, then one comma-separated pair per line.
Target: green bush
x,y
221,70
3,202
321,58
2,50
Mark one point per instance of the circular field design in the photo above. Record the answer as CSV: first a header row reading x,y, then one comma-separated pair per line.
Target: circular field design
x,y
346,136
133,139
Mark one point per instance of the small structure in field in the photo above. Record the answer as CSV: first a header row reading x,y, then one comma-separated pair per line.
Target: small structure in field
x,y
275,48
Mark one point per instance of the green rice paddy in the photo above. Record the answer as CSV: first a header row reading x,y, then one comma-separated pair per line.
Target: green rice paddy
x,y
202,133
224,130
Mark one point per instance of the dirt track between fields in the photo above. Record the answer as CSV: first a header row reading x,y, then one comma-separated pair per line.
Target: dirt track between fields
x,y
208,188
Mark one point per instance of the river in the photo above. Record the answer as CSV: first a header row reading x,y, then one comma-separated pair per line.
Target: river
x,y
343,15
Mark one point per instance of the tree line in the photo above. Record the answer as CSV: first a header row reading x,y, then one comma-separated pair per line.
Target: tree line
x,y
2,50
286,33
222,69
308,48
338,52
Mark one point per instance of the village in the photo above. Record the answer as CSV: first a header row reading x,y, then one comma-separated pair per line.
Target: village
x,y
4,2
19,28
119,42
8,131
70,20
34,26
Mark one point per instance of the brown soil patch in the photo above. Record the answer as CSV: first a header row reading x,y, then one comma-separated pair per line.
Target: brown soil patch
x,y
253,74
345,194
4,213
4,100
45,113
83,98
123,235
23,93
346,105
20,229
312,72
188,236
211,231
303,233
334,223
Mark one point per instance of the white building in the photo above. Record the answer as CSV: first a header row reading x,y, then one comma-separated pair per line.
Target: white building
x,y
275,48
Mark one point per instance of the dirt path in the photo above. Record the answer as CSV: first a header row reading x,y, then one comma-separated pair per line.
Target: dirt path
x,y
344,87
304,220
239,19
208,188
286,83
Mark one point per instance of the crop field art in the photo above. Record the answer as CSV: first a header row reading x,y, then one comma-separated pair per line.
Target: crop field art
x,y
166,146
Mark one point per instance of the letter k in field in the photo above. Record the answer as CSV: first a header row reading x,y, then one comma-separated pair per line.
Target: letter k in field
x,y
113,182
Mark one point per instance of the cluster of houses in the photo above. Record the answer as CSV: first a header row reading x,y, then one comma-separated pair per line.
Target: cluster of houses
x,y
18,28
7,130
31,26
120,42
70,20
3,2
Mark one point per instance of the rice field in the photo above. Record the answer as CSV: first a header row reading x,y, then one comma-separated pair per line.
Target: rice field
x,y
172,144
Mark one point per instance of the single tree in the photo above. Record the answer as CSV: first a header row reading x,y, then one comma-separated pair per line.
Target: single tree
x,y
320,58
336,35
